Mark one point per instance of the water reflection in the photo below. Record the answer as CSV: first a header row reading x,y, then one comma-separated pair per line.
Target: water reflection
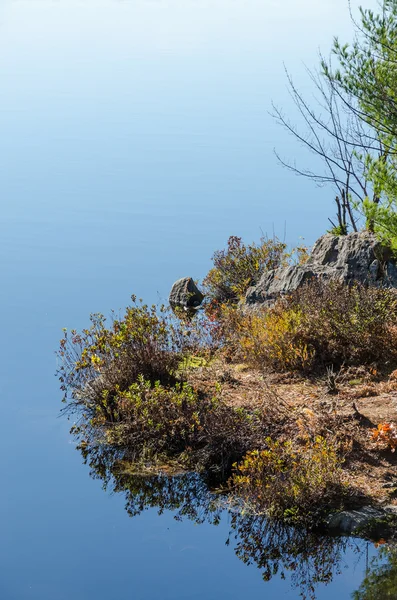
x,y
186,494
380,582
307,559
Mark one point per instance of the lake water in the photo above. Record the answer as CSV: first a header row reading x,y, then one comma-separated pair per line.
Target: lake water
x,y
134,139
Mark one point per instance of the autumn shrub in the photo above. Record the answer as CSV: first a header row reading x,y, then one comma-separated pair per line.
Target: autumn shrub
x,y
173,422
273,339
240,266
124,382
350,325
322,324
107,358
292,482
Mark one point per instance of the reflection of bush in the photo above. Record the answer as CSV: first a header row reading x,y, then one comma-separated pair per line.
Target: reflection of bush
x,y
308,558
185,493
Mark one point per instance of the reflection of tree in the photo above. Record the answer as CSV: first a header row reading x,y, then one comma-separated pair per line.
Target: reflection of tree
x,y
380,582
309,559
185,493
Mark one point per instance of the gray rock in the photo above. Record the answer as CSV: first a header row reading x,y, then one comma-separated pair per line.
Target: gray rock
x,y
185,295
354,257
391,274
351,521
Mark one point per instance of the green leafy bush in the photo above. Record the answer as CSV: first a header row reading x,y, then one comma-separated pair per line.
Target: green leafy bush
x,y
380,581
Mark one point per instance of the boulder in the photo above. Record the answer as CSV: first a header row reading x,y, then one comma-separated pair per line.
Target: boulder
x,y
349,522
185,295
354,257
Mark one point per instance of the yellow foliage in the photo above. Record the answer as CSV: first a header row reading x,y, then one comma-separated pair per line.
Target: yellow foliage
x,y
285,476
272,338
321,323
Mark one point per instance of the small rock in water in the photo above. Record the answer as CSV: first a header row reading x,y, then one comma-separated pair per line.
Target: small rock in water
x,y
185,295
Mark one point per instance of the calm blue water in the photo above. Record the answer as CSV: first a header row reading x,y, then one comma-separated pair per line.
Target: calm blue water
x,y
134,139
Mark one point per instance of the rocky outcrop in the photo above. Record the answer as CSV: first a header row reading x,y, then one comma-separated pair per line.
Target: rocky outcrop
x,y
354,257
185,295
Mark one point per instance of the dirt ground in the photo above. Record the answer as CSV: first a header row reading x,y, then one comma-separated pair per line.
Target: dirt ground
x,y
346,407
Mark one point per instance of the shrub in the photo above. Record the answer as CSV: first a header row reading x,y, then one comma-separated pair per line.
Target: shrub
x,y
351,325
322,324
152,419
290,482
155,422
273,339
124,383
110,358
239,267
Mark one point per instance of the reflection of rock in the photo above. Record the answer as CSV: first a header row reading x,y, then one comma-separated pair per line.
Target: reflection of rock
x,y
354,257
185,295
